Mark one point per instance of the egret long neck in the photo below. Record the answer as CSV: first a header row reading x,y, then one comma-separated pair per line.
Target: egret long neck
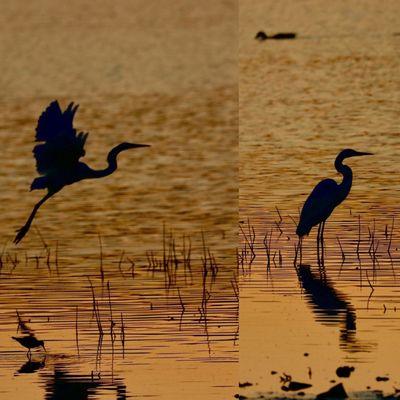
x,y
347,173
112,164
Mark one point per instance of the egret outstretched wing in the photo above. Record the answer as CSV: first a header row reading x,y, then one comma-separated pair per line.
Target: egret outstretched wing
x,y
62,146
58,154
318,206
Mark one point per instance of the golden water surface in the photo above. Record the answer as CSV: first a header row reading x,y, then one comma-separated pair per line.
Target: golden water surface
x,y
336,86
161,73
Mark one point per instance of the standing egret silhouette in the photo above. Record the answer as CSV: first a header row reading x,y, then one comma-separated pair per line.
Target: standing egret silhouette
x,y
57,159
324,198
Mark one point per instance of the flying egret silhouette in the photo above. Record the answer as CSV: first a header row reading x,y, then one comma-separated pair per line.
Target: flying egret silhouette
x,y
324,198
57,159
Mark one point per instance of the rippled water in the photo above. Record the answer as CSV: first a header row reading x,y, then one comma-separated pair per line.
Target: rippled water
x,y
156,73
301,102
162,345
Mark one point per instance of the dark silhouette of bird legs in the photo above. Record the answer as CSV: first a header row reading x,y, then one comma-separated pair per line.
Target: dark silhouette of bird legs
x,y
29,353
24,230
318,243
300,250
321,245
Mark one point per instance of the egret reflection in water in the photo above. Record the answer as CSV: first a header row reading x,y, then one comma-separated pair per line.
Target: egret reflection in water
x,y
324,198
331,308
62,385
57,159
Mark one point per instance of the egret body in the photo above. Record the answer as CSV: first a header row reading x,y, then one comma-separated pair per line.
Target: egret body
x,y
325,197
57,157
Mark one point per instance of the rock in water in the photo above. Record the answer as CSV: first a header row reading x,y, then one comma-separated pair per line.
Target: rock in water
x,y
382,378
335,392
295,386
344,372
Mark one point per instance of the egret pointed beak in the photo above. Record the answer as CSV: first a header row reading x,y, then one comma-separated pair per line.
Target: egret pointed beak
x,y
134,145
44,348
359,153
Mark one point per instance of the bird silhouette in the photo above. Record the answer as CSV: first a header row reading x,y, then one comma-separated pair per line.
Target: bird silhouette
x,y
57,158
261,36
30,342
324,198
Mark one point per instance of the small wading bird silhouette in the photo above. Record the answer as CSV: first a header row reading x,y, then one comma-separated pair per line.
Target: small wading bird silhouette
x,y
30,342
324,198
57,159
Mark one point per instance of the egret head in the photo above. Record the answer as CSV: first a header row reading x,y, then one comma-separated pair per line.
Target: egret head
x,y
126,146
346,153
122,147
352,153
41,343
113,154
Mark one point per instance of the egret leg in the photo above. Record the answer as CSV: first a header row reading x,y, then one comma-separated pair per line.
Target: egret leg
x,y
318,242
323,244
301,249
24,230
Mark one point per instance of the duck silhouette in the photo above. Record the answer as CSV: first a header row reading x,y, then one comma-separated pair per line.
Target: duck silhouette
x,y
261,36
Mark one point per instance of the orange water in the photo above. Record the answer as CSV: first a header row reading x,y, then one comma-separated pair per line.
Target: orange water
x,y
301,102
156,73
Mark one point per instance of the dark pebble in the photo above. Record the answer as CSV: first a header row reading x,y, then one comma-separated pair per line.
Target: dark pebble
x,y
344,372
382,378
245,384
295,386
335,392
